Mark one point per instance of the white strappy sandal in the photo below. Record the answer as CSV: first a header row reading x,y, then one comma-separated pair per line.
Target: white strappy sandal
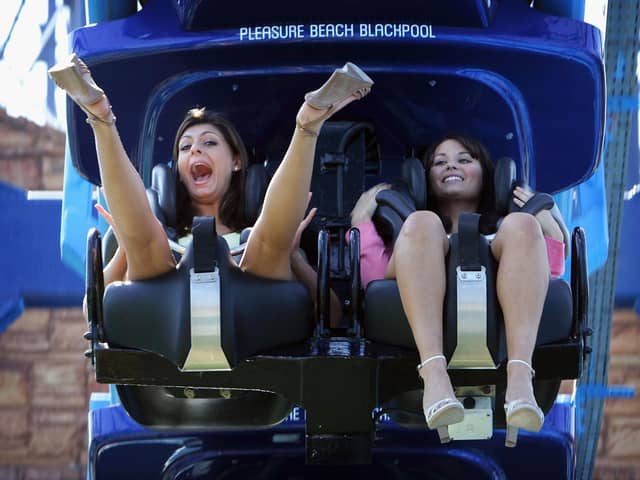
x,y
444,412
521,413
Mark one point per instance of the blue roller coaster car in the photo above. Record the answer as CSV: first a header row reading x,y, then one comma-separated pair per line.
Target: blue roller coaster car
x,y
288,395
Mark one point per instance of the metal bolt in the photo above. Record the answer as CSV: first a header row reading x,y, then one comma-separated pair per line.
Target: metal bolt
x,y
189,393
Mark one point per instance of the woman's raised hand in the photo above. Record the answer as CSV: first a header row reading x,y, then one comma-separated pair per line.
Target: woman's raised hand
x,y
295,244
366,204
109,219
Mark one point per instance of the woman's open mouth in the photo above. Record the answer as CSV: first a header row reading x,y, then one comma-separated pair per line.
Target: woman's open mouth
x,y
200,173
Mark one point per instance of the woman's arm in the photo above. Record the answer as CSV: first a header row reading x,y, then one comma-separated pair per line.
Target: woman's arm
x,y
305,273
550,227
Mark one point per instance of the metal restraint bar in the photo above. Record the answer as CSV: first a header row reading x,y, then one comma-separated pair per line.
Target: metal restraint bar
x,y
471,349
206,328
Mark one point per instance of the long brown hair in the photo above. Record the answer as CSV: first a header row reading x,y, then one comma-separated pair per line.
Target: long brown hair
x,y
487,205
232,211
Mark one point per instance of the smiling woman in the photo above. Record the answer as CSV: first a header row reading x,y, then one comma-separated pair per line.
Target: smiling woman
x,y
460,180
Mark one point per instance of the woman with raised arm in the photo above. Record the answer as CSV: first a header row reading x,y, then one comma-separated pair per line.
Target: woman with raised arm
x,y
460,179
210,161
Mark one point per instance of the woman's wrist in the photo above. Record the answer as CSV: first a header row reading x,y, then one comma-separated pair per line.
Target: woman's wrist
x,y
549,225
296,257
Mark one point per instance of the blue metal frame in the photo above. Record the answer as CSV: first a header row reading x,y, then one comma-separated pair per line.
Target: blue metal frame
x,y
115,440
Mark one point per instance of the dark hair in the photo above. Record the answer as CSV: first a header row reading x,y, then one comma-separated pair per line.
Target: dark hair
x,y
487,205
232,211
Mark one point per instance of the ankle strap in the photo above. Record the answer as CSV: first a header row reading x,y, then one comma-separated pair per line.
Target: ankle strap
x,y
435,357
526,364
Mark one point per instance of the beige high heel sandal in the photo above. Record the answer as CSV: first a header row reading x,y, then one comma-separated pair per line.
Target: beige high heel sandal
x,y
73,76
521,413
444,412
331,96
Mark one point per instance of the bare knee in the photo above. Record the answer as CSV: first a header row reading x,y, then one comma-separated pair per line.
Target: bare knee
x,y
521,230
422,228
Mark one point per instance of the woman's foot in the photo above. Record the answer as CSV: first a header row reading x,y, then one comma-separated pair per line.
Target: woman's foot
x,y
521,409
345,85
439,402
74,77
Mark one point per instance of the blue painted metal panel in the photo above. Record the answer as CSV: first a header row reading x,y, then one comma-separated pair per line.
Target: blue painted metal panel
x,y
31,271
538,64
585,206
199,15
120,448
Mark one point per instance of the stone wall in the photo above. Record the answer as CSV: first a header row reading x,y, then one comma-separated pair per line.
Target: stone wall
x,y
45,382
44,389
619,447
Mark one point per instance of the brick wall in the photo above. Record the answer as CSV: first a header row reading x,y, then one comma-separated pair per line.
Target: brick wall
x,y
31,157
44,390
619,448
45,382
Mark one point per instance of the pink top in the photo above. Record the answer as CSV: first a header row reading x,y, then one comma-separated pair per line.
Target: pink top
x,y
374,255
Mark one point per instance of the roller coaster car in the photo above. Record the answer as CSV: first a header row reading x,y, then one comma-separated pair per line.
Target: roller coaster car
x,y
208,346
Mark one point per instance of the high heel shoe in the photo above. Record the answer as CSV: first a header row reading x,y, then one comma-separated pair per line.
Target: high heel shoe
x,y
444,412
343,83
73,76
521,413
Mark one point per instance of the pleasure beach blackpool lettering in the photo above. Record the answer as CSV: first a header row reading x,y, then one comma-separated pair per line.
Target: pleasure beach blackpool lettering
x,y
336,30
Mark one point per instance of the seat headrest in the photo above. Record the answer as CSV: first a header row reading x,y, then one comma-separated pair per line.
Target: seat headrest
x,y
404,197
163,183
255,186
414,176
504,178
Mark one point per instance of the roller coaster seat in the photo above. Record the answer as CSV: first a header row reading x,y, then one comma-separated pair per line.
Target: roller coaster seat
x,y
154,315
558,354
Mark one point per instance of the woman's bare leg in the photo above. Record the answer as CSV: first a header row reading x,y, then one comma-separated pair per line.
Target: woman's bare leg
x,y
140,233
269,246
522,282
418,265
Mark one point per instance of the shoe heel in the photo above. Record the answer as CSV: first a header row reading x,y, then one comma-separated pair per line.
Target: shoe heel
x,y
443,433
511,438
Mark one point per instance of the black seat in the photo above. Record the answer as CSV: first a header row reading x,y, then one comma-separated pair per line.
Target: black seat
x,y
154,316
559,345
